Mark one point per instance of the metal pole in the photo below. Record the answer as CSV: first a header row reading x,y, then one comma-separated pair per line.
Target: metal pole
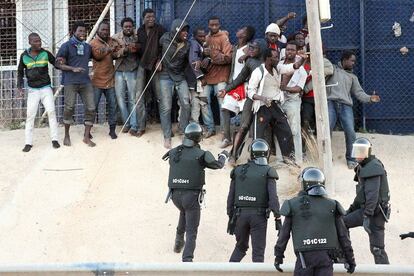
x,y
90,36
321,104
362,45
186,269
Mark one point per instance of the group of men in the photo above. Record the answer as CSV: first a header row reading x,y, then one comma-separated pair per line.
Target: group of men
x,y
267,80
319,225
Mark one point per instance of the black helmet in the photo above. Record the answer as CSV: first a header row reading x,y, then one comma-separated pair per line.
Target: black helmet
x,y
259,151
192,134
361,148
313,181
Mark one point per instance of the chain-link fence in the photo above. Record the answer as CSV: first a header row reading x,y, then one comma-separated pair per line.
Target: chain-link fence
x,y
52,20
364,26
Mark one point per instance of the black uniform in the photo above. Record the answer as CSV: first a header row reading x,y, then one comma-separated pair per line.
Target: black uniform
x,y
251,197
186,179
371,205
317,231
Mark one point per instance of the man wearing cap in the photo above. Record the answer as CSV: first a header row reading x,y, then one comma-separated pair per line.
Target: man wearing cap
x,y
272,36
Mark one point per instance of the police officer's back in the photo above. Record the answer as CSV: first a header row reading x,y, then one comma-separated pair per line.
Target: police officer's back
x,y
317,227
370,208
251,198
185,181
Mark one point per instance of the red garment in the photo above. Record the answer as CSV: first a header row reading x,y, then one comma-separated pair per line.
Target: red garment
x,y
273,46
308,79
238,93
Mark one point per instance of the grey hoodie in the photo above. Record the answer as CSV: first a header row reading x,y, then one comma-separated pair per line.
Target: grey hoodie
x,y
347,83
174,62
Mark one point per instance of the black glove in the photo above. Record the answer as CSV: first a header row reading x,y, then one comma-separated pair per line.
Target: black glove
x,y
350,268
277,264
366,223
408,235
403,236
224,153
278,224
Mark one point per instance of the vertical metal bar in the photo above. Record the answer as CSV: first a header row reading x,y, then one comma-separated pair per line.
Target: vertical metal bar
x,y
362,50
138,13
266,12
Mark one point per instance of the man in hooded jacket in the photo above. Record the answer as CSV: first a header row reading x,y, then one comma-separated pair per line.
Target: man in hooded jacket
x,y
175,46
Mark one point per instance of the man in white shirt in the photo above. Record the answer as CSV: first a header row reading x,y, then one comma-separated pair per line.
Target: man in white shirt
x,y
292,86
264,89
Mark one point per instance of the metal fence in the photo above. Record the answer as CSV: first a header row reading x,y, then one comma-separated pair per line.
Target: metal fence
x,y
364,26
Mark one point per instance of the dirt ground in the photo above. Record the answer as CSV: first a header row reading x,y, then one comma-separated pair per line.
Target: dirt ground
x,y
106,204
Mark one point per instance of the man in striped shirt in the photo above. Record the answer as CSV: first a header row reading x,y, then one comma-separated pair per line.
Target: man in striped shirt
x,y
34,64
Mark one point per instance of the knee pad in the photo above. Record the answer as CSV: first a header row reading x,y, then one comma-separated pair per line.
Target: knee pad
x,y
380,256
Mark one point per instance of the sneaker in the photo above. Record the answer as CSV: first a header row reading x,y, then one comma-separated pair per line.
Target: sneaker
x,y
55,144
27,148
209,134
225,143
351,164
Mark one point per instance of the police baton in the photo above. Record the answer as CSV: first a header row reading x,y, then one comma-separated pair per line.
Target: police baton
x,y
302,260
168,195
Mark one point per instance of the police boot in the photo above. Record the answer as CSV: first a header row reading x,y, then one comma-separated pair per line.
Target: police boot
x,y
179,243
380,256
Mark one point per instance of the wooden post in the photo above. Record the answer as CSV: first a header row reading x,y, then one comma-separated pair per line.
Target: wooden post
x,y
321,103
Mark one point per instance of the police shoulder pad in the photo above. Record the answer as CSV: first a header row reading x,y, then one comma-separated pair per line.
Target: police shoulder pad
x,y
271,173
286,210
209,157
373,168
339,209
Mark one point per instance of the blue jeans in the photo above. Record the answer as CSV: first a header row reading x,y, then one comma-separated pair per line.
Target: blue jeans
x,y
126,82
345,114
168,88
141,83
110,100
215,88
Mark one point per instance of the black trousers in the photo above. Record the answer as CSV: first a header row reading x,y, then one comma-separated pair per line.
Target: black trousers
x,y
187,202
377,236
318,263
274,116
250,223
307,115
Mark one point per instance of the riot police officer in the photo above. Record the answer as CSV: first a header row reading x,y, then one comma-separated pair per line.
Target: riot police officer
x,y
317,227
185,181
251,198
370,208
